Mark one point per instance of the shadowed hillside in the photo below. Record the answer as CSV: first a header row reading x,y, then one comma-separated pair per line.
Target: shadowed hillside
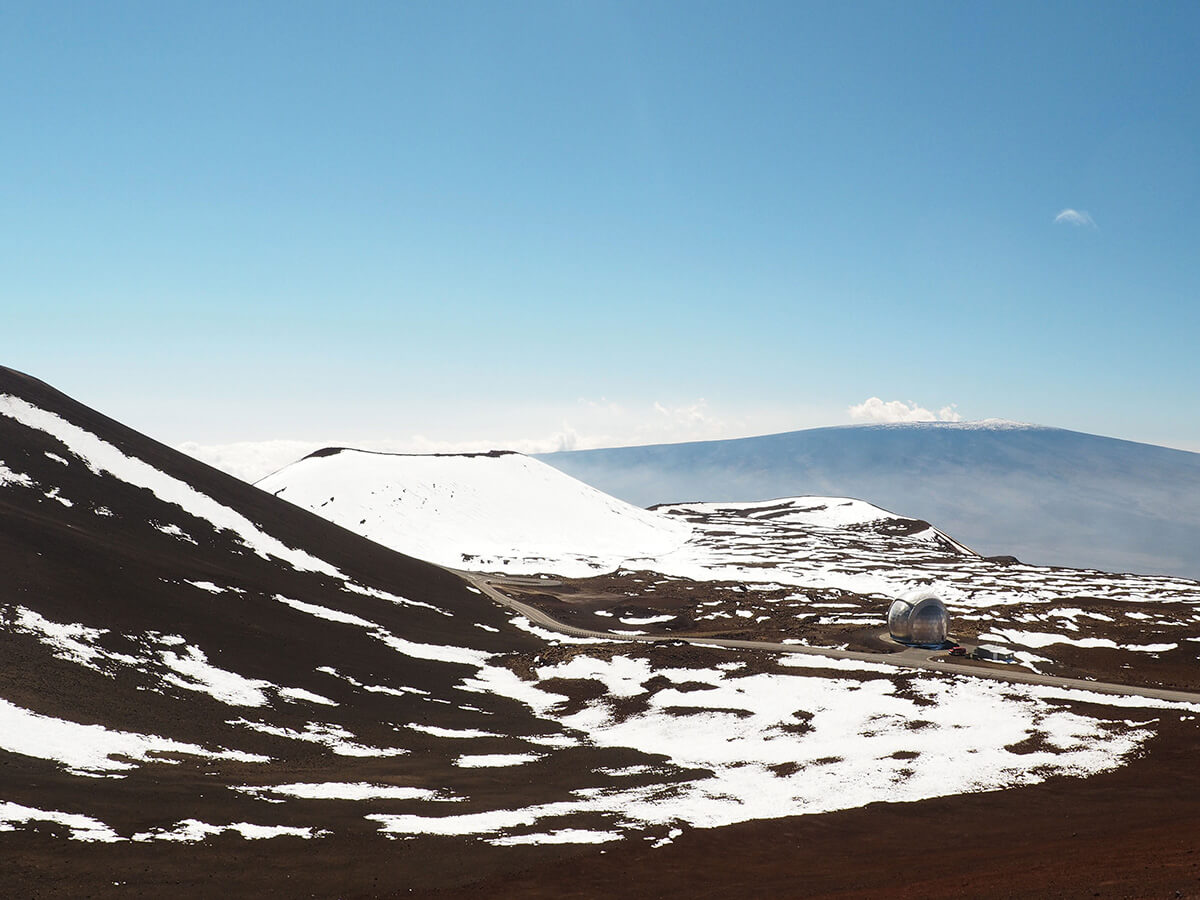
x,y
191,668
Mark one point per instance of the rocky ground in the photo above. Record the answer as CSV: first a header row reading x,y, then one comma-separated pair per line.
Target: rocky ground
x,y
206,691
789,571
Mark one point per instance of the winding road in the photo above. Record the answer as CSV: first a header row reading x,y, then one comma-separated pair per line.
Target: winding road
x,y
910,657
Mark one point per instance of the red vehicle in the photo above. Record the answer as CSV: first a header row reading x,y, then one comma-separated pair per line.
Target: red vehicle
x,y
958,651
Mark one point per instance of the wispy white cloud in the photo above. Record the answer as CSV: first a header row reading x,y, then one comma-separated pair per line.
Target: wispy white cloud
x,y
592,423
606,423
689,415
875,410
1076,217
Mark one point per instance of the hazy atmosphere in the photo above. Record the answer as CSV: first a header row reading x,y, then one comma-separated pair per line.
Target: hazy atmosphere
x,y
570,225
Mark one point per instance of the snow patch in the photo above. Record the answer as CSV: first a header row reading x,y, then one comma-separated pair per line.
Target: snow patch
x,y
8,476
336,738
82,828
493,760
92,749
190,831
562,836
433,652
334,790
195,673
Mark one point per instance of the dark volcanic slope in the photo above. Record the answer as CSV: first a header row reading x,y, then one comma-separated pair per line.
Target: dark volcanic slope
x,y
206,691
174,643
1046,495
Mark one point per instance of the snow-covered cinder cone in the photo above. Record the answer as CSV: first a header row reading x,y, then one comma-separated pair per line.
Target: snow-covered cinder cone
x,y
494,511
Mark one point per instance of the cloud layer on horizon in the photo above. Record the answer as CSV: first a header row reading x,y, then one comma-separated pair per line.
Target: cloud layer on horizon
x,y
875,410
587,425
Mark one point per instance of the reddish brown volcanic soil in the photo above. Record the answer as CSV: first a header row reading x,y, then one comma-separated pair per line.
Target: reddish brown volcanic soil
x,y
1131,833
601,602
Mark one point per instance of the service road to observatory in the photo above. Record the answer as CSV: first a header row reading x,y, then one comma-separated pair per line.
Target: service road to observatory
x,y
909,657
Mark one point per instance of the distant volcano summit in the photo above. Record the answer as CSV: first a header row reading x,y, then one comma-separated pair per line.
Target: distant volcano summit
x,y
1046,495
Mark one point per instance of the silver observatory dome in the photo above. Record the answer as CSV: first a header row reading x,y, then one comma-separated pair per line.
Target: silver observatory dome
x,y
920,620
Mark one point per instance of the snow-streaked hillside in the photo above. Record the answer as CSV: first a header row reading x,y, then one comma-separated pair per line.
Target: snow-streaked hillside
x,y
207,691
1046,495
488,511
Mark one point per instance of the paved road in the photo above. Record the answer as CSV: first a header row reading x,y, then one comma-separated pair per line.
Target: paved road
x,y
911,657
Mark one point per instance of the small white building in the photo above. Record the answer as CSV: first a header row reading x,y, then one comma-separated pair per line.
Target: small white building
x,y
994,654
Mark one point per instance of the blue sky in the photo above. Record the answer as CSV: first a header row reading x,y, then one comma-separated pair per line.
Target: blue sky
x,y
601,222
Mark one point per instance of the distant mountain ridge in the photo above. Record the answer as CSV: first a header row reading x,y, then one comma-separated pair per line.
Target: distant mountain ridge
x,y
1046,495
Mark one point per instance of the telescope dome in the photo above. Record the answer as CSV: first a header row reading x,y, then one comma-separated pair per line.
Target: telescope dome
x,y
920,620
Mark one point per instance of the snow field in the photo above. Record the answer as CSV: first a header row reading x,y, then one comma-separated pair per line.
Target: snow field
x,y
1038,639
493,513
783,745
774,745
